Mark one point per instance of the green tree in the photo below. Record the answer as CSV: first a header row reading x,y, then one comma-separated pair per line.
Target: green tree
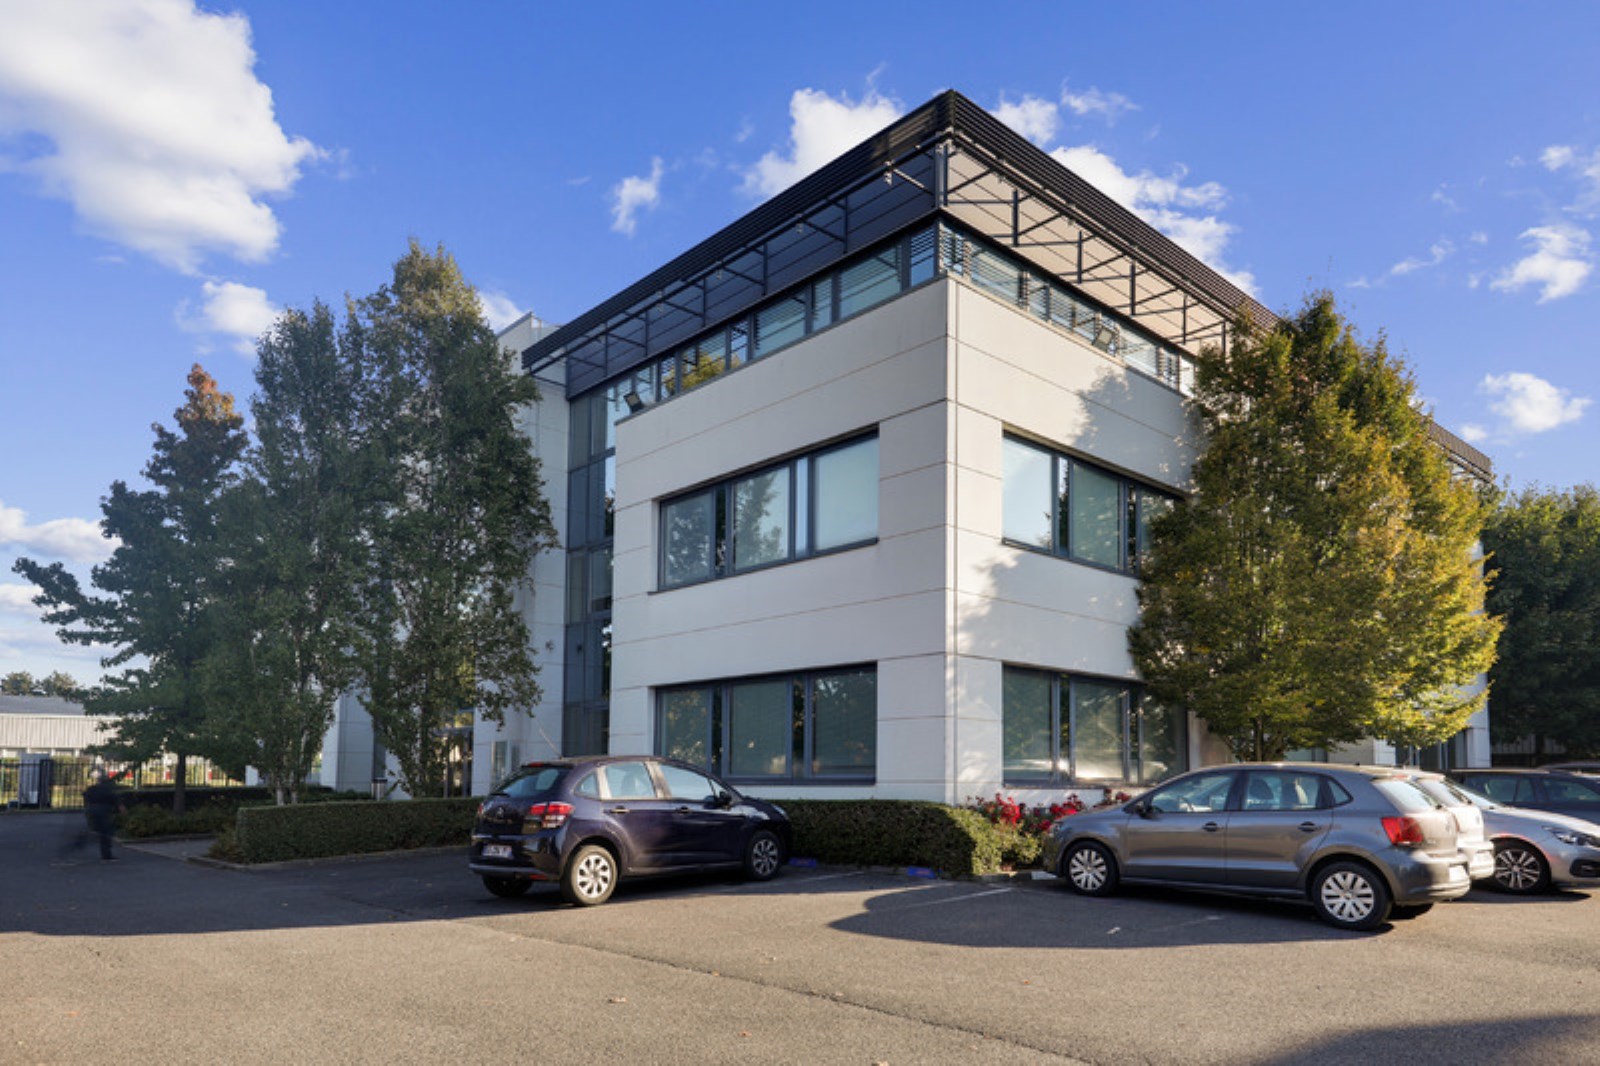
x,y
62,684
292,530
1545,548
158,586
17,683
462,514
1320,586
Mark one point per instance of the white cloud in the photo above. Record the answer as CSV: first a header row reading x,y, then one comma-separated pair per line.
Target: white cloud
x,y
146,115
821,129
634,194
1092,101
1529,404
1473,433
1438,253
74,539
1034,118
1186,213
18,599
1558,265
240,312
1556,156
499,309
1562,157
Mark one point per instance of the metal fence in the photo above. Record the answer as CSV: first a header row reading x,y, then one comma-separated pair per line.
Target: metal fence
x,y
47,782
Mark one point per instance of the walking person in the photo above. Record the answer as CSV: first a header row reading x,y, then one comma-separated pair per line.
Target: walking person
x,y
100,806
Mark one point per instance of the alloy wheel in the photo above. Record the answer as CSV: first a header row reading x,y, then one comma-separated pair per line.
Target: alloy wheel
x,y
1348,896
1087,868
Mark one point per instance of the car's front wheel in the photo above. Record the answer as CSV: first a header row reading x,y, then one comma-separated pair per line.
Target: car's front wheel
x,y
1090,869
1519,868
1348,895
590,876
507,887
763,855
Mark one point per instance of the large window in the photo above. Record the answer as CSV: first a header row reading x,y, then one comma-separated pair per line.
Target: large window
x,y
1053,502
819,726
1060,729
806,506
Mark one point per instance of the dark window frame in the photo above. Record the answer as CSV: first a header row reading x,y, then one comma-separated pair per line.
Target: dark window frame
x,y
800,754
1063,466
801,532
1064,768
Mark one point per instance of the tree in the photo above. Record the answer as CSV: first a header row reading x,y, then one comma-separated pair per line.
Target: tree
x,y
1320,587
158,585
461,515
292,531
17,683
60,684
1545,548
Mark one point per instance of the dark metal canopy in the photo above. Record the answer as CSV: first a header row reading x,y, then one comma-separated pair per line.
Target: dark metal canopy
x,y
948,157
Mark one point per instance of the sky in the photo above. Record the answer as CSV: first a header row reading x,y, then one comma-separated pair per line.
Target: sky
x,y
173,175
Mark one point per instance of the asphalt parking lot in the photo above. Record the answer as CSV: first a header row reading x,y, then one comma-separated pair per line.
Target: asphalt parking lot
x,y
408,959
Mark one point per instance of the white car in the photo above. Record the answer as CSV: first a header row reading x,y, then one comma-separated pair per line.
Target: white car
x,y
1472,834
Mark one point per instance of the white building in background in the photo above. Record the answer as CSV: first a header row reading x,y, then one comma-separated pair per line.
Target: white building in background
x,y
852,494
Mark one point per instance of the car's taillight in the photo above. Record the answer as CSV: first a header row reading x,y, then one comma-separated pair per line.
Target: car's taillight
x,y
549,815
481,806
1403,830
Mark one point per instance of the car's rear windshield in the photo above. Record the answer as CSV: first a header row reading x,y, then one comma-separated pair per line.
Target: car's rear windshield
x,y
1405,795
531,781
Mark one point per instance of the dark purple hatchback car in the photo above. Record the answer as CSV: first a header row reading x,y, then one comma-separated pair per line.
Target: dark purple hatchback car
x,y
588,822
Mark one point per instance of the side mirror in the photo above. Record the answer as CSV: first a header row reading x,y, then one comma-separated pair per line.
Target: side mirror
x,y
1143,809
724,799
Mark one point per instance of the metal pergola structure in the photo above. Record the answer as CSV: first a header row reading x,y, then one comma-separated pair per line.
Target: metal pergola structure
x,y
947,158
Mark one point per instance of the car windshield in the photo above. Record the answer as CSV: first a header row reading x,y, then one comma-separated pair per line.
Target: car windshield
x,y
1406,795
1449,793
1477,799
530,781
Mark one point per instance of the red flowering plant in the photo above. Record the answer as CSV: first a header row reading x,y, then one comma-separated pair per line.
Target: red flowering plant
x,y
1024,825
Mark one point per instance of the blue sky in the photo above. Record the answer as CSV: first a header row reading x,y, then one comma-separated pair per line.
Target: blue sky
x,y
170,175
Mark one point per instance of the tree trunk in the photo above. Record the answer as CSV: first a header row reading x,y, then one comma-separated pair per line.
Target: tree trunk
x,y
179,780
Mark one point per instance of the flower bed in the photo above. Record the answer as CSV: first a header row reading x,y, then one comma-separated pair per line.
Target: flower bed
x,y
1022,827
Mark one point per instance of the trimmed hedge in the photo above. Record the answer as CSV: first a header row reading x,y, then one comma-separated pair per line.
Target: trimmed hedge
x,y
149,820
194,796
952,840
320,830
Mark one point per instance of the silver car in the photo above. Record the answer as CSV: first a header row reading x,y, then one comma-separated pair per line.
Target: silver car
x,y
1362,844
1535,851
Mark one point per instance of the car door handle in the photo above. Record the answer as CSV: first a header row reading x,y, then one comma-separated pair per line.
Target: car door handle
x,y
1211,827
1308,827
683,810
617,810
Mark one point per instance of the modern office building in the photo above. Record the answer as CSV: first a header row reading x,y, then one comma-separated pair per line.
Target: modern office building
x,y
853,493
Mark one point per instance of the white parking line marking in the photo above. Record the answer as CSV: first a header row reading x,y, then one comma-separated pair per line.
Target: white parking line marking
x,y
955,899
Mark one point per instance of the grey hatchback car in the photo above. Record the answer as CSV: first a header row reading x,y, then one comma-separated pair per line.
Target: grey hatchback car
x,y
1362,844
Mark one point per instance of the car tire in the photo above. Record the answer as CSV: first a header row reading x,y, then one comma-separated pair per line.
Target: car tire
x,y
763,856
590,876
1351,895
1520,868
1401,914
507,887
1089,869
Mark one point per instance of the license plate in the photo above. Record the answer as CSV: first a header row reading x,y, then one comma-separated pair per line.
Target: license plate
x,y
497,851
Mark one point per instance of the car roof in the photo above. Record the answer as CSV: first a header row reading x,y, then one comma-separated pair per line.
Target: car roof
x,y
576,761
1360,769
1506,771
